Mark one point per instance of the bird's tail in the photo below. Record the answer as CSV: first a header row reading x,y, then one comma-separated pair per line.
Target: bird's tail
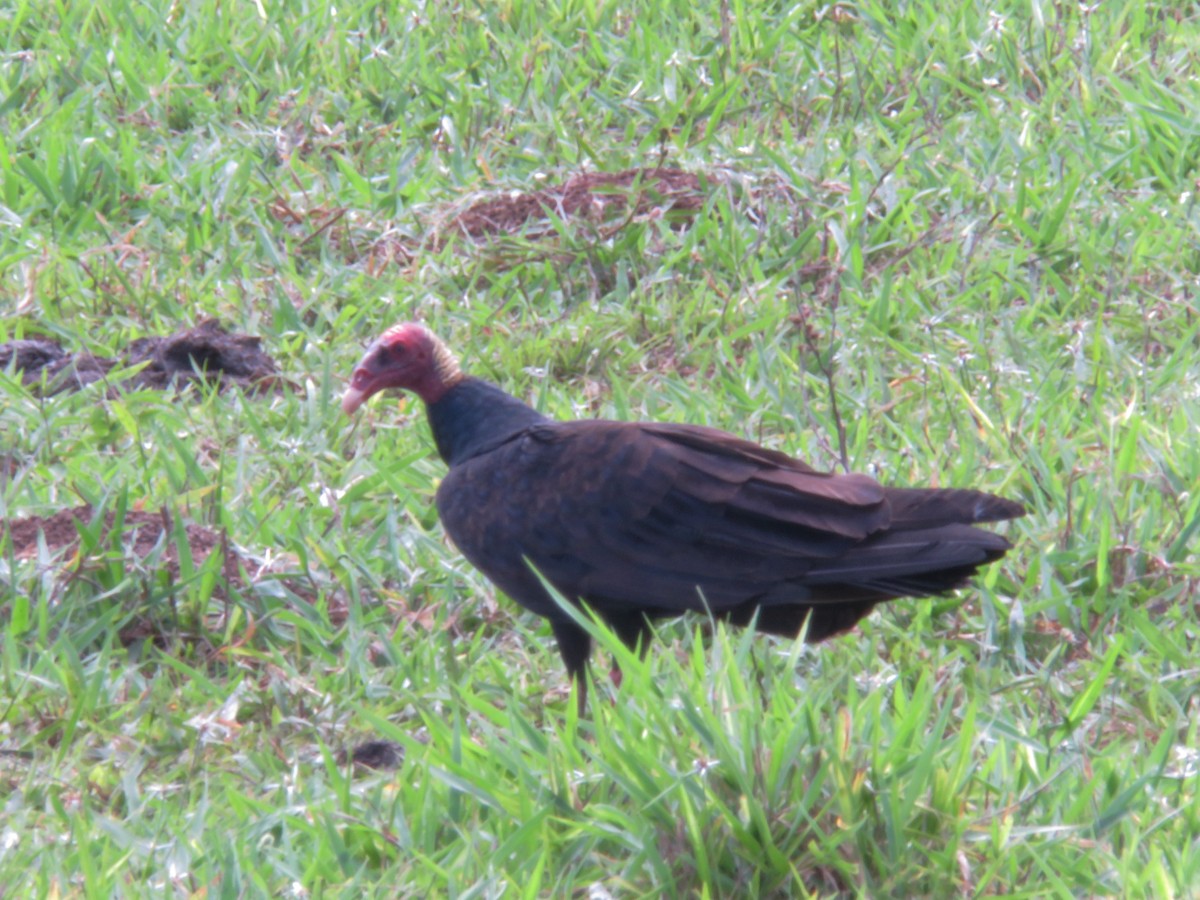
x,y
915,562
932,507
929,548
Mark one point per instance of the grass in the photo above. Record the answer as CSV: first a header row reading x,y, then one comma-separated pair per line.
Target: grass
x,y
953,246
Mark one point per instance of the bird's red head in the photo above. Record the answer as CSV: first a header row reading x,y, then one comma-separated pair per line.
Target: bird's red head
x,y
406,356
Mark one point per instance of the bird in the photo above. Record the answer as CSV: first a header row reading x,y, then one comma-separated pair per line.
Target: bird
x,y
642,521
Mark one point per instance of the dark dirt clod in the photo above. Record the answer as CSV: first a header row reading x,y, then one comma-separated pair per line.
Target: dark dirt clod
x,y
376,754
30,355
206,353
71,371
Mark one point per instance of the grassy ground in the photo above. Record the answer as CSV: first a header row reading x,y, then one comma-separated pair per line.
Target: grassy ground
x,y
967,235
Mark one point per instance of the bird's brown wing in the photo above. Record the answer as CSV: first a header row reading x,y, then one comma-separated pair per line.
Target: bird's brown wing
x,y
638,516
662,518
689,516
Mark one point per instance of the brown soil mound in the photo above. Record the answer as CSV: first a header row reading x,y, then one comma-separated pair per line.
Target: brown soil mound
x,y
605,201
207,353
141,532
598,197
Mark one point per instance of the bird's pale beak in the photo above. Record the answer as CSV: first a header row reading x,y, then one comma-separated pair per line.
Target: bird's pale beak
x,y
352,400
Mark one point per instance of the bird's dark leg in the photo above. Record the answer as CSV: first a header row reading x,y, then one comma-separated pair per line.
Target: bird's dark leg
x,y
575,646
634,632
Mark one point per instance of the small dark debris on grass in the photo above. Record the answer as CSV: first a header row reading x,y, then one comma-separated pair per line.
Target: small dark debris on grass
x,y
207,353
377,755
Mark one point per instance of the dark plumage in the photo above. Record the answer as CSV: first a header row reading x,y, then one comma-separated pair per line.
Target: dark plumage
x,y
645,520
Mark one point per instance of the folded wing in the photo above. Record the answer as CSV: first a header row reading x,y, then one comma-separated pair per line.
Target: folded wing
x,y
667,518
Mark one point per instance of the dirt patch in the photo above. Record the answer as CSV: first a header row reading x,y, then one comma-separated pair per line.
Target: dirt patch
x,y
606,201
596,197
207,353
140,534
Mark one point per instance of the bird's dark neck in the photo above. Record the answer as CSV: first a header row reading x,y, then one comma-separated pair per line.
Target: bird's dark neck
x,y
473,416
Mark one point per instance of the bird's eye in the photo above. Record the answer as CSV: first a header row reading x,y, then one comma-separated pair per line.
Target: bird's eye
x,y
389,353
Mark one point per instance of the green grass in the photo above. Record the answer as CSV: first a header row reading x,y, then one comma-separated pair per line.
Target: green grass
x,y
974,229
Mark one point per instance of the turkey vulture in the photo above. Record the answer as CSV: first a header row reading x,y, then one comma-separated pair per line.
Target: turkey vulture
x,y
642,520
